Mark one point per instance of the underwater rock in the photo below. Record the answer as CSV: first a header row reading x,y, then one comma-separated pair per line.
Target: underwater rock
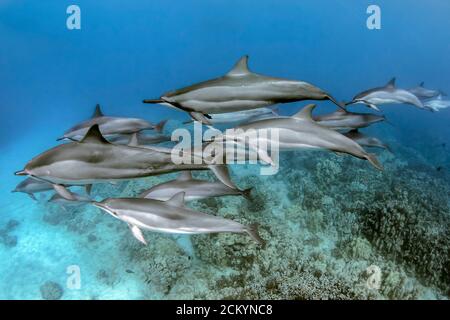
x,y
11,225
9,240
51,290
107,277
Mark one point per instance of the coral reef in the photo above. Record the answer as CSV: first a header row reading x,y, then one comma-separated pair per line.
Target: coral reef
x,y
51,290
6,238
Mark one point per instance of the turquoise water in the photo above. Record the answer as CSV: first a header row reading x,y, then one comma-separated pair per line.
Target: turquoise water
x,y
325,218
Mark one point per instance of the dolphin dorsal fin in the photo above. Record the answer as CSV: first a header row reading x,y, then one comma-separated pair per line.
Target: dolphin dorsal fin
x,y
177,200
94,135
134,141
305,113
185,176
391,83
240,68
422,84
97,112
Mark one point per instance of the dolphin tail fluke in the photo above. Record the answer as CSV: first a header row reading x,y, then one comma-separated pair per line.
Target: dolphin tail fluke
x,y
222,173
252,231
372,158
339,104
247,193
160,126
153,101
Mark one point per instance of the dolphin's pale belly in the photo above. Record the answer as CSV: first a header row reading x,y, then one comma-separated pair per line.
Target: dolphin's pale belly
x,y
185,221
229,98
393,97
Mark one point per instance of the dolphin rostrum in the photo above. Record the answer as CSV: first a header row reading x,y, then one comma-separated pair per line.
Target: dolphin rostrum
x,y
110,126
94,160
194,189
240,89
389,94
299,131
423,93
437,103
343,120
366,141
171,216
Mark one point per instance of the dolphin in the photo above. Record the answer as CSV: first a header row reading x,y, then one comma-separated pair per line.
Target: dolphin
x,y
240,116
143,139
238,90
171,216
343,120
423,93
31,186
110,126
437,103
94,160
366,141
194,189
298,131
389,94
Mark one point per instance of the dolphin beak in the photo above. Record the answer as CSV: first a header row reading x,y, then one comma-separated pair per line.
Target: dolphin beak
x,y
21,173
98,204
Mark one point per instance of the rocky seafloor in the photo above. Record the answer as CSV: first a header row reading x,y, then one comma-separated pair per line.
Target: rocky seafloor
x,y
327,220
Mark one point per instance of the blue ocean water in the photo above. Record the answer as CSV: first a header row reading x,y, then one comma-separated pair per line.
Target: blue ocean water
x,y
51,78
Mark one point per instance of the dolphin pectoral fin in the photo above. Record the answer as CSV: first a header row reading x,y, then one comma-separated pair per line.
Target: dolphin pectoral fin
x,y
200,117
374,107
221,172
88,188
137,233
32,196
63,192
252,231
372,158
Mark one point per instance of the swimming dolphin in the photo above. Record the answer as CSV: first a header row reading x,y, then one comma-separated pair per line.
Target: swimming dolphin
x,y
343,120
238,90
94,160
194,189
170,216
437,103
240,116
110,126
143,139
366,141
299,131
31,186
423,93
388,94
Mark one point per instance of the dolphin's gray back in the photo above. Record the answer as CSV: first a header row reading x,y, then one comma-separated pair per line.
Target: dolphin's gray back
x,y
159,216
